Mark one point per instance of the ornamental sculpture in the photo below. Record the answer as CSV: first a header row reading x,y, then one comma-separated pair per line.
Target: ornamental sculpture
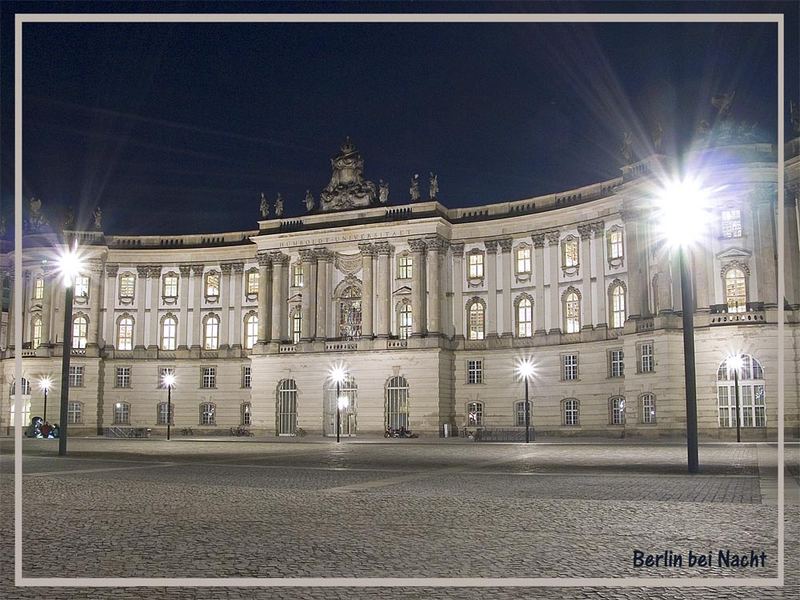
x,y
279,206
98,219
309,201
36,219
414,189
383,191
347,187
264,208
434,187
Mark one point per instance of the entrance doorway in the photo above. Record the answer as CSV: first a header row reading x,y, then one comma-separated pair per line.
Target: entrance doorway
x,y
349,423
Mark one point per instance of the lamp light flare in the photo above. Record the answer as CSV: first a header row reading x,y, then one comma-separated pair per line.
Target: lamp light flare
x,y
683,211
168,380
45,383
70,264
525,368
337,373
734,362
344,402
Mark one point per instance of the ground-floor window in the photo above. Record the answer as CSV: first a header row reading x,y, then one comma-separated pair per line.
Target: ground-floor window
x,y
519,413
617,409
122,413
246,416
208,413
161,414
570,411
648,409
26,412
287,407
75,413
397,403
475,414
752,393
348,415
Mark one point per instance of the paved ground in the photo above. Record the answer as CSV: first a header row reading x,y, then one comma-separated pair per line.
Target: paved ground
x,y
403,508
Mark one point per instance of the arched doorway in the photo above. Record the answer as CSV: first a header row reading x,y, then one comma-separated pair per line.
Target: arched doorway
x,y
287,407
349,424
397,403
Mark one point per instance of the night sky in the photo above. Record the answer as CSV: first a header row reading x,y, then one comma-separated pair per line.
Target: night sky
x,y
178,128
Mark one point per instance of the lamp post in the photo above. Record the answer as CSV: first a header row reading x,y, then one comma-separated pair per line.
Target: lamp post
x,y
44,384
735,362
69,266
168,380
341,404
683,215
337,374
525,370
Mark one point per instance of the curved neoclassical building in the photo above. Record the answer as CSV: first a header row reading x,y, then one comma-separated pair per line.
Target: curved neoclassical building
x,y
427,309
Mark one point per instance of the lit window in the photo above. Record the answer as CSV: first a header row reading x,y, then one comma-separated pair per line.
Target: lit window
x,y
572,312
476,266
617,406
523,262
252,283
125,333
209,377
615,247
524,317
208,413
26,387
569,252
250,330
569,367
519,413
405,266
570,412
475,414
735,290
297,275
297,325
247,377
74,413
38,288
75,376
476,320
170,288
169,332
161,414
648,409
212,285
474,371
731,223
616,363
617,306
127,285
123,377
80,329
81,286
246,416
404,316
122,413
752,396
211,341
36,332
646,362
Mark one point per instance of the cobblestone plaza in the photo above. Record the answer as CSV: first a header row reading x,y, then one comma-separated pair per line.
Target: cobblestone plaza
x,y
402,508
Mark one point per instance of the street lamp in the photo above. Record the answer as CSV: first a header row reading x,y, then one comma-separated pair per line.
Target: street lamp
x,y
337,373
45,383
525,370
168,381
69,265
341,404
683,216
735,362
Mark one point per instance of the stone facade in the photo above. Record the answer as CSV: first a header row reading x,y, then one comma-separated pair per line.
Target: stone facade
x,y
428,309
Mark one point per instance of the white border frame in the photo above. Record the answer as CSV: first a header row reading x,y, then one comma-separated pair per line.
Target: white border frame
x,y
661,582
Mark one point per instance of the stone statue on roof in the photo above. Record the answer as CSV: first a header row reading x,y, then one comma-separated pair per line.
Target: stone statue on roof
x,y
383,191
36,220
794,116
723,103
658,135
98,219
414,189
264,208
309,201
626,149
279,206
347,187
433,189
69,219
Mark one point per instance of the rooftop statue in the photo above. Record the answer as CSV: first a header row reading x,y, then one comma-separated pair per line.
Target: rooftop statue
x,y
658,135
264,207
723,103
36,219
2,225
279,206
433,187
347,187
98,219
309,201
414,189
383,192
69,219
625,149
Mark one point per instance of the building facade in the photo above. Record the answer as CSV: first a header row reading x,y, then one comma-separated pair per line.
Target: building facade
x,y
428,311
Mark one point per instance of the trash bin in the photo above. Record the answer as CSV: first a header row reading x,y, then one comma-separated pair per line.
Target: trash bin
x,y
446,430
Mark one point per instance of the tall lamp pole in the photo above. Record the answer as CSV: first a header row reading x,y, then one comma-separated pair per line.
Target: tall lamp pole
x,y
168,381
338,414
525,370
337,374
687,304
45,383
735,363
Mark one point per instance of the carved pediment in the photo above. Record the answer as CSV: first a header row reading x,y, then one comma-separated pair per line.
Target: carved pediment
x,y
731,253
403,290
295,298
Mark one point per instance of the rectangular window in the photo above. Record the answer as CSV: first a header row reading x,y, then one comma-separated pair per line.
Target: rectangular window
x,y
476,266
209,377
616,363
247,378
646,362
162,414
648,409
212,284
475,371
81,286
76,376
615,244
123,377
252,283
569,367
523,260
519,414
570,257
618,411
405,267
126,286
74,413
122,413
731,224
208,414
161,372
170,289
475,414
297,275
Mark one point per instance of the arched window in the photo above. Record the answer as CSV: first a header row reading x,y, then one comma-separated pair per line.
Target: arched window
x,y
80,330
211,332
246,414
404,319
169,333
122,413
617,295
616,408
26,387
211,286
287,407
296,325
524,316
127,287
397,403
474,414
570,412
208,413
125,333
476,319
350,313
752,394
572,311
250,330
735,290
36,331
648,408
38,288
519,413
169,288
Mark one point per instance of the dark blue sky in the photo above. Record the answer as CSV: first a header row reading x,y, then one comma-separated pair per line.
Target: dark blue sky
x,y
177,128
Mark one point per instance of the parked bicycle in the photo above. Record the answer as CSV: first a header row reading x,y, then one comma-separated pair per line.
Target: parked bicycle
x,y
241,431
187,431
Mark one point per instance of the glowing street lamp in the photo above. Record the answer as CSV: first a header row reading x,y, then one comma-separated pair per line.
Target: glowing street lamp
x,y
342,403
69,265
337,374
168,381
525,370
683,216
734,363
45,383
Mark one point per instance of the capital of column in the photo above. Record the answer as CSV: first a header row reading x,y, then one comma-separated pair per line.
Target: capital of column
x,y
435,243
552,237
238,267
538,240
185,270
155,271
263,259
226,268
198,269
279,258
417,245
491,246
323,254
599,229
143,271
383,248
111,270
457,249
585,231
307,255
505,245
366,249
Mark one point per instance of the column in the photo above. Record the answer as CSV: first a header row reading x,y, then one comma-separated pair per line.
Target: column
x,y
383,289
634,258
110,290
184,292
765,248
225,305
367,292
47,278
791,246
141,299
538,279
600,275
279,261
95,280
238,276
324,257
491,287
264,290
10,343
26,305
435,245
553,238
197,303
458,288
506,262
585,231
155,287
309,265
417,287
